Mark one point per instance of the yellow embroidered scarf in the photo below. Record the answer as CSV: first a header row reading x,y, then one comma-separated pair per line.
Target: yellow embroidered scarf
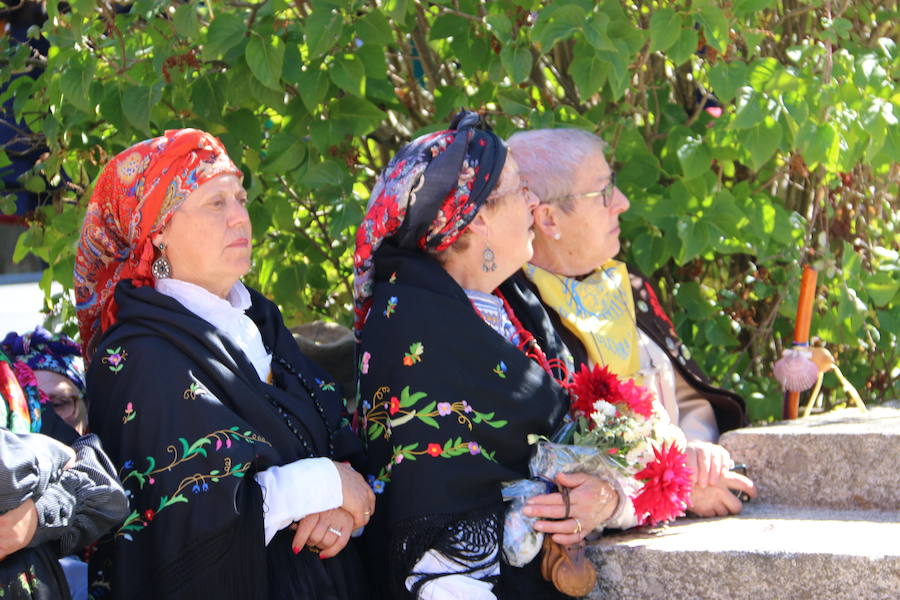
x,y
599,310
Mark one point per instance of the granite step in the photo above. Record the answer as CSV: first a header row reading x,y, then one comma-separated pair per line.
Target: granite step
x,y
847,459
766,552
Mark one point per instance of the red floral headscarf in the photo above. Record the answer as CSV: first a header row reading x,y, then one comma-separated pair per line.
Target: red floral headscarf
x,y
134,198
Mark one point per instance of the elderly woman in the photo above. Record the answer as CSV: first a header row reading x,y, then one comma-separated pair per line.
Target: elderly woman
x,y
591,300
58,371
451,385
224,432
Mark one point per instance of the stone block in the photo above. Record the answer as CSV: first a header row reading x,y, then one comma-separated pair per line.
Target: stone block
x,y
846,459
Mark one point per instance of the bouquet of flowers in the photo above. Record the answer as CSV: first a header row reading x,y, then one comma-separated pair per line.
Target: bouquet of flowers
x,y
620,434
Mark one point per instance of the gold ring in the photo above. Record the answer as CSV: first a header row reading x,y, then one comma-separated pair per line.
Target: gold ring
x,y
336,532
315,549
577,526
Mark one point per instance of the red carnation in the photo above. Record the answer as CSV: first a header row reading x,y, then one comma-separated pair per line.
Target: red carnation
x,y
667,487
637,398
591,385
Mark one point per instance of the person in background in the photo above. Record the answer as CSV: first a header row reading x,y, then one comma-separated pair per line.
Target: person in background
x,y
55,498
225,434
58,370
607,313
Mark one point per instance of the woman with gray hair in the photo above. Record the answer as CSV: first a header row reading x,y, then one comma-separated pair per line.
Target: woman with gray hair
x,y
607,313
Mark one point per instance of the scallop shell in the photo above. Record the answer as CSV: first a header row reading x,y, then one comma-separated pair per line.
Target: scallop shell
x,y
795,370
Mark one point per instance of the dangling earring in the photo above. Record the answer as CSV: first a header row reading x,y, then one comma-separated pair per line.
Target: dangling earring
x,y
557,236
161,267
488,263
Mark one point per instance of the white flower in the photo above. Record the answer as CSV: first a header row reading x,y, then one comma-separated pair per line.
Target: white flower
x,y
602,406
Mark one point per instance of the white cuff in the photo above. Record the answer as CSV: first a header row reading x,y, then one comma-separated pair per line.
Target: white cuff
x,y
453,587
295,490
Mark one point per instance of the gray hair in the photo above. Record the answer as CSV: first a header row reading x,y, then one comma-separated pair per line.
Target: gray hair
x,y
549,158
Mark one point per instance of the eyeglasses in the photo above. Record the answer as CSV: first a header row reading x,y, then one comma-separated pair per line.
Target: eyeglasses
x,y
606,194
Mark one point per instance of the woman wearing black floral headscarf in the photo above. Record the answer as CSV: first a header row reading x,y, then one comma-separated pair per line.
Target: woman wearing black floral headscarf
x,y
451,385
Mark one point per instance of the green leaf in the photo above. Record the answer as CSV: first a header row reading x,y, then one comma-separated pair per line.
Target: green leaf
x,y
75,83
286,152
715,25
185,19
684,48
207,97
500,26
695,157
244,124
348,73
882,288
589,73
356,115
313,87
225,31
665,29
761,142
517,62
448,25
749,110
323,28
397,9
556,22
375,29
696,238
817,144
726,78
596,32
265,57
137,101
429,421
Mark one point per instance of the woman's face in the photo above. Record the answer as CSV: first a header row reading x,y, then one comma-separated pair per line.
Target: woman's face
x,y
64,397
509,221
589,233
208,238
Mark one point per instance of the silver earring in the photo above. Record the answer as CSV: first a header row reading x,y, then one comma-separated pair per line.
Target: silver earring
x,y
488,264
161,267
557,236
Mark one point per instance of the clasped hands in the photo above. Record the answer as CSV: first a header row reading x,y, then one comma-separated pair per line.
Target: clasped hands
x,y
328,532
592,501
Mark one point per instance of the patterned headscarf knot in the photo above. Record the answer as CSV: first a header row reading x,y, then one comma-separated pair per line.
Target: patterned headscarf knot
x,y
41,350
133,199
427,196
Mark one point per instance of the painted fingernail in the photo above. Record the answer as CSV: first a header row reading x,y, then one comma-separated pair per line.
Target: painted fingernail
x,y
296,549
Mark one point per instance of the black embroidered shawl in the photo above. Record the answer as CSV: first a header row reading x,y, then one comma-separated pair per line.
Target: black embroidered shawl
x,y
447,405
183,414
556,338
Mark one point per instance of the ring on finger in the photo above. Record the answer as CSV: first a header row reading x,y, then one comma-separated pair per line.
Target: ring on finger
x,y
577,526
315,549
336,532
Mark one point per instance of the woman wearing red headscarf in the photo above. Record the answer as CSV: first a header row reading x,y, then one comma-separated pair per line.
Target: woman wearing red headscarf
x,y
224,433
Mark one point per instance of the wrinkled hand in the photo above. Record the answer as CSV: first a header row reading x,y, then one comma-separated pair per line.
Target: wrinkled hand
x,y
17,527
717,500
315,530
359,500
707,462
592,502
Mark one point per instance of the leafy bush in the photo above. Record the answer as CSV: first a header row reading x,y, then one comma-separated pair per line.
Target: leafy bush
x,y
751,136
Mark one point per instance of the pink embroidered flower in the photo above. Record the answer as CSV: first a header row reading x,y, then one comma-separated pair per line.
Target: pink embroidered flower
x,y
444,408
474,448
466,407
398,459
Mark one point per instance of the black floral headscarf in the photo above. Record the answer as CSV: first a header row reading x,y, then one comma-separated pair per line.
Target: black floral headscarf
x,y
427,195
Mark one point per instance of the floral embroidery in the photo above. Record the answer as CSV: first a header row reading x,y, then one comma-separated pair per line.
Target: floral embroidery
x,y
384,415
364,363
130,413
414,355
657,308
393,277
198,482
453,447
195,389
500,370
391,306
115,359
326,386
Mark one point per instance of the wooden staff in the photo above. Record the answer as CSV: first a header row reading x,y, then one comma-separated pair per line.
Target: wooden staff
x,y
801,331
